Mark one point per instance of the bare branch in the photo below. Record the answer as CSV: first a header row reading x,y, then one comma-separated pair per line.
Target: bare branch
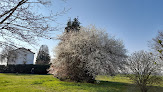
x,y
12,10
20,22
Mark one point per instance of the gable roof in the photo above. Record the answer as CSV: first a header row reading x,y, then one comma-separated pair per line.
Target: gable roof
x,y
24,49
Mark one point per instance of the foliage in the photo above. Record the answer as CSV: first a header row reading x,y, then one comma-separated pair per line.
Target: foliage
x,y
42,83
83,54
21,22
43,56
38,69
144,68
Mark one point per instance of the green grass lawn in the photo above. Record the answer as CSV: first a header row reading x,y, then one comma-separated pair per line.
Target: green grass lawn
x,y
47,83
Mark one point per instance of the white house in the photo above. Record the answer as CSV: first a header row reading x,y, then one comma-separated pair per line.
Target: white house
x,y
20,56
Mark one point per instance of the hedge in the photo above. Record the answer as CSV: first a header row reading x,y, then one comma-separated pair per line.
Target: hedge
x,y
37,69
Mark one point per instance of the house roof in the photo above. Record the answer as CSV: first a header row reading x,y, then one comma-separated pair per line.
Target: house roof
x,y
25,49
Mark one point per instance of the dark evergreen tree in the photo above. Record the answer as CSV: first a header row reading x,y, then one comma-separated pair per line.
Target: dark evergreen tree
x,y
43,56
73,25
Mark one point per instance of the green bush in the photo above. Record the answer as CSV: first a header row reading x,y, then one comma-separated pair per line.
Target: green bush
x,y
38,69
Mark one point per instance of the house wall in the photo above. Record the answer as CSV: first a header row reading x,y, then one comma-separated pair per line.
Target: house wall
x,y
22,57
30,58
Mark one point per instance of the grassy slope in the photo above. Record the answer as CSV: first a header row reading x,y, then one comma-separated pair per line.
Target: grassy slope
x,y
47,83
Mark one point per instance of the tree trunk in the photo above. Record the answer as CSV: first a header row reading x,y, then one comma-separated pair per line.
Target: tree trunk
x,y
144,88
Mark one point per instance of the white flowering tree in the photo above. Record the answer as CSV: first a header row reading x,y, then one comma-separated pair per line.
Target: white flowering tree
x,y
84,54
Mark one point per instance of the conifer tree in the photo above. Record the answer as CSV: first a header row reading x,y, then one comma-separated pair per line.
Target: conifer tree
x,y
43,56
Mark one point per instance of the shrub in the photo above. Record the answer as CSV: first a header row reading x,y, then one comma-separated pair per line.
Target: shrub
x,y
144,68
38,69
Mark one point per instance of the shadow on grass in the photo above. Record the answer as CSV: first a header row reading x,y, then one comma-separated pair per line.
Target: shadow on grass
x,y
108,86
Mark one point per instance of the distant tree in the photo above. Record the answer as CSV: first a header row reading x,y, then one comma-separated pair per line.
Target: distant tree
x,y
20,21
73,25
43,56
84,54
144,68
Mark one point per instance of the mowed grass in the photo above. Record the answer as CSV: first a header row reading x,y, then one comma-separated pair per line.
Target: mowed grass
x,y
47,83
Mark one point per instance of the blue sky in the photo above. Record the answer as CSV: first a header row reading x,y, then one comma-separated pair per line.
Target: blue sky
x,y
134,21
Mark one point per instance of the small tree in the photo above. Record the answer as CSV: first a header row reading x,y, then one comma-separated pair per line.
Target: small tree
x,y
144,68
43,56
83,54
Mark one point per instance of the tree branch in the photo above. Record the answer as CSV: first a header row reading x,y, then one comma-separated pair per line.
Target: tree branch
x,y
12,11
